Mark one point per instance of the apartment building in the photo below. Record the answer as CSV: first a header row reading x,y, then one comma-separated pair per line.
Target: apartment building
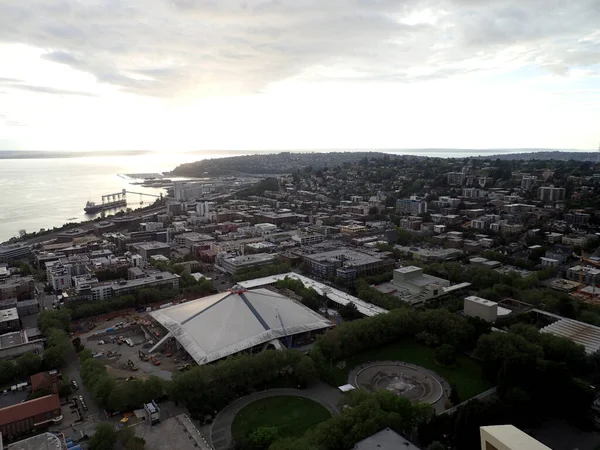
x,y
551,194
411,206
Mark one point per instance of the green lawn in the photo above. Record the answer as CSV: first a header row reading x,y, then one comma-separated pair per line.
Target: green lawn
x,y
292,416
466,375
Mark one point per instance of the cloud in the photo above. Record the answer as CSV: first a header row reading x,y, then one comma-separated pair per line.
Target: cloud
x,y
167,48
13,83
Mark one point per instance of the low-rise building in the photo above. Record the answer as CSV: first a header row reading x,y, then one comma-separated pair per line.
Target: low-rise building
x,y
346,263
17,287
13,252
578,240
9,320
549,262
233,264
429,255
25,417
353,228
416,285
148,249
308,238
590,275
480,307
577,218
411,223
508,437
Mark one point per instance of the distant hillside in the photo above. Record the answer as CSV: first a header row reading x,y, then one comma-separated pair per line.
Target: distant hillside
x,y
547,155
278,163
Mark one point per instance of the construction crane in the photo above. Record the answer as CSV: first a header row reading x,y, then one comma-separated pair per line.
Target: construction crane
x,y
585,260
287,337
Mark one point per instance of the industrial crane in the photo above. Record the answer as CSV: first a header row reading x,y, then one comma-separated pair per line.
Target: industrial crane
x,y
585,260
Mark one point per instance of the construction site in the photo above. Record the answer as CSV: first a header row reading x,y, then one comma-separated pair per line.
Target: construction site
x,y
123,344
587,276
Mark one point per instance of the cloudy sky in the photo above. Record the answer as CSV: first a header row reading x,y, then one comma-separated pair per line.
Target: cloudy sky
x,y
299,74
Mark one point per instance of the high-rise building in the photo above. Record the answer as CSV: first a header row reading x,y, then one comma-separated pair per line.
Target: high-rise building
x,y
551,194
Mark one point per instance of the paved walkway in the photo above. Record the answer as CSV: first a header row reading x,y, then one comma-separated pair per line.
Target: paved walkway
x,y
220,431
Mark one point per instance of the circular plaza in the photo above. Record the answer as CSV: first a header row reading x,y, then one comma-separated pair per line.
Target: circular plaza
x,y
407,380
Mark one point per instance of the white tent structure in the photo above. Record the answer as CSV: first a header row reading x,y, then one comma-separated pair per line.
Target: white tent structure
x,y
214,327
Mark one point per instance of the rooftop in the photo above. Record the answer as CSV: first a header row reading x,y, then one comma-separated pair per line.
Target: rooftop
x,y
9,314
11,339
44,441
386,439
578,332
22,411
335,295
151,245
481,301
511,437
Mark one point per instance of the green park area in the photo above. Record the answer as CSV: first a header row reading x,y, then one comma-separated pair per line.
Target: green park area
x,y
290,416
466,374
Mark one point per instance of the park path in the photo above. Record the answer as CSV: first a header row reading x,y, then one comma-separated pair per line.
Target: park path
x,y
220,431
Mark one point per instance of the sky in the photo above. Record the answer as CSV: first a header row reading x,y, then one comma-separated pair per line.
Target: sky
x,y
184,75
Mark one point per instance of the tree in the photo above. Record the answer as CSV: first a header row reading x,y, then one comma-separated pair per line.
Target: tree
x,y
55,318
135,443
436,445
28,364
261,438
445,354
104,438
8,371
54,357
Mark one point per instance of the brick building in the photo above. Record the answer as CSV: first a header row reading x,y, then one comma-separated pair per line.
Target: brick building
x,y
25,417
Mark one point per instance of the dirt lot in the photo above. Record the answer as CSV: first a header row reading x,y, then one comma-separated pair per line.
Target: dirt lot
x,y
120,359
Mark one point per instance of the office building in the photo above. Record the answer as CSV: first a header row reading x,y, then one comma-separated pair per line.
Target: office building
x,y
551,194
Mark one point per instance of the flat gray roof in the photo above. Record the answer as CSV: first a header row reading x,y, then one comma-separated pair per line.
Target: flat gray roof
x,y
11,339
9,314
45,441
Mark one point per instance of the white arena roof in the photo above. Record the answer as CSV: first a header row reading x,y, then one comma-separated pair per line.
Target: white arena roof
x,y
214,327
578,332
335,295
